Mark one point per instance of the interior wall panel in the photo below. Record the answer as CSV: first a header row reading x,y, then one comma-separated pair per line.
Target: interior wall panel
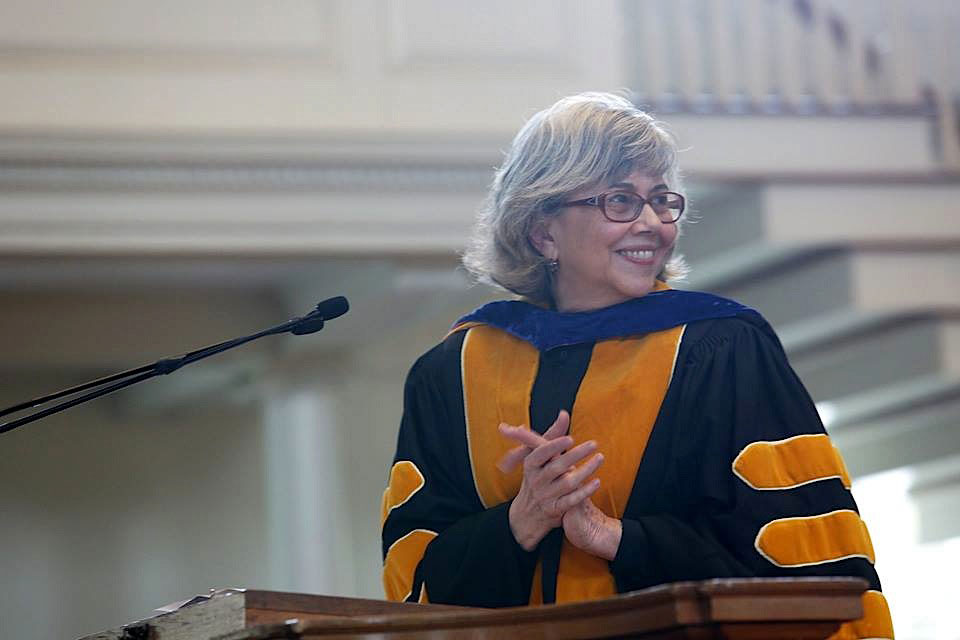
x,y
298,65
499,33
483,69
171,26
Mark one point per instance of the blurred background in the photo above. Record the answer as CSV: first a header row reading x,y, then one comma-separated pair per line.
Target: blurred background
x,y
177,173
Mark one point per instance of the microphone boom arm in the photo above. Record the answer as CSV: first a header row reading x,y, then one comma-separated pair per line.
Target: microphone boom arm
x,y
309,323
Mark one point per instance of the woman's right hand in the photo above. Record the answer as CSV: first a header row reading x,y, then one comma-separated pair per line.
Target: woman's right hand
x,y
552,483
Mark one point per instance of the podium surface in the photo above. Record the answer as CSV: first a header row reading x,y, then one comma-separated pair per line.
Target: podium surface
x,y
795,608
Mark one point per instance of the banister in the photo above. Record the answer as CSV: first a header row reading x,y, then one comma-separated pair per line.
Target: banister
x,y
792,57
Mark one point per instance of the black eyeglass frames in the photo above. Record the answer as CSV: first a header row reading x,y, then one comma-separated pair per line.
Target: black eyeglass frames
x,y
626,206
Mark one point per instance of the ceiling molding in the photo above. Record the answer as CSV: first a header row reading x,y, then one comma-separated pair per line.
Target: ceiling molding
x,y
90,163
106,177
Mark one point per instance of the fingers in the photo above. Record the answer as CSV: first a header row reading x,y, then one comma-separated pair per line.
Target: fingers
x,y
557,463
533,439
559,427
542,454
524,436
553,482
570,458
530,441
512,458
576,477
572,499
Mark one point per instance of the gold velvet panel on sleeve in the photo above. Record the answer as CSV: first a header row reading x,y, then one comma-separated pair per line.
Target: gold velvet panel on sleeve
x,y
401,562
876,622
812,540
405,481
405,554
828,537
616,405
789,463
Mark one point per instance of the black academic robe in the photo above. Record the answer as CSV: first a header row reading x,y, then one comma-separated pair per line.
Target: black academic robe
x,y
737,478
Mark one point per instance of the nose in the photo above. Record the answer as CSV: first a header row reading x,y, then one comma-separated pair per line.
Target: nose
x,y
648,219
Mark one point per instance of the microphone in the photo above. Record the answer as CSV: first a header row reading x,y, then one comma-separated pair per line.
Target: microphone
x,y
333,307
327,310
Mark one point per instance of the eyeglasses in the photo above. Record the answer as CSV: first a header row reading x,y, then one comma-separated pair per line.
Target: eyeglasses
x,y
626,206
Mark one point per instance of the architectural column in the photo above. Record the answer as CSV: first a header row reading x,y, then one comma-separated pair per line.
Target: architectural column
x,y
308,533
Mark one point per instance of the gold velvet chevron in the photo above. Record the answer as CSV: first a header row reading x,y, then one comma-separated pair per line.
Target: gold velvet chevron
x,y
401,562
405,481
789,463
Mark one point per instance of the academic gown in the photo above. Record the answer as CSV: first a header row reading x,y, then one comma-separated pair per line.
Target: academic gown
x,y
716,461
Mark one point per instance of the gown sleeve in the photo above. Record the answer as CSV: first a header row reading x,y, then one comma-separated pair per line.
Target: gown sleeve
x,y
754,487
439,543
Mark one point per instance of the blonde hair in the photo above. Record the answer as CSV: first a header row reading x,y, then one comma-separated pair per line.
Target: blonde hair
x,y
579,141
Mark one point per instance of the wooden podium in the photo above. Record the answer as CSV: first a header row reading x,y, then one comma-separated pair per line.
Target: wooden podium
x,y
798,608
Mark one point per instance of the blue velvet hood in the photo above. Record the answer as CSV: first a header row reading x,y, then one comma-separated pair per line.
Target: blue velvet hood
x,y
658,310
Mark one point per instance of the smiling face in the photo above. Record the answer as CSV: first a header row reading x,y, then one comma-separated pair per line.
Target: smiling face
x,y
602,263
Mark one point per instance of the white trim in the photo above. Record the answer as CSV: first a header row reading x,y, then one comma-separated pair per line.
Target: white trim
x,y
466,415
792,486
676,354
412,493
756,541
733,465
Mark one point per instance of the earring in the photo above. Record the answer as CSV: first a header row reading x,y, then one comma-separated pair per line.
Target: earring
x,y
553,265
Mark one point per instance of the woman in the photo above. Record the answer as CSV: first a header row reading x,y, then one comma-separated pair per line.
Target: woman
x,y
669,438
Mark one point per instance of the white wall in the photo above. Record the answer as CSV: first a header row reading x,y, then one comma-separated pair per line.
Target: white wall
x,y
106,516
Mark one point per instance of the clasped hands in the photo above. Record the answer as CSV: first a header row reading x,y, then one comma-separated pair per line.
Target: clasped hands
x,y
555,491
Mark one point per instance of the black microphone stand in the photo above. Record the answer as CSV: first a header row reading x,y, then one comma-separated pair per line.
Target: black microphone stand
x,y
310,323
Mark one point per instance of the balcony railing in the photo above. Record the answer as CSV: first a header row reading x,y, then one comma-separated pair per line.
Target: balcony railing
x,y
800,57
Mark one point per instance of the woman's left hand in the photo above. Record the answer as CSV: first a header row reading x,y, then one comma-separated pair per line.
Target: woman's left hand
x,y
590,529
